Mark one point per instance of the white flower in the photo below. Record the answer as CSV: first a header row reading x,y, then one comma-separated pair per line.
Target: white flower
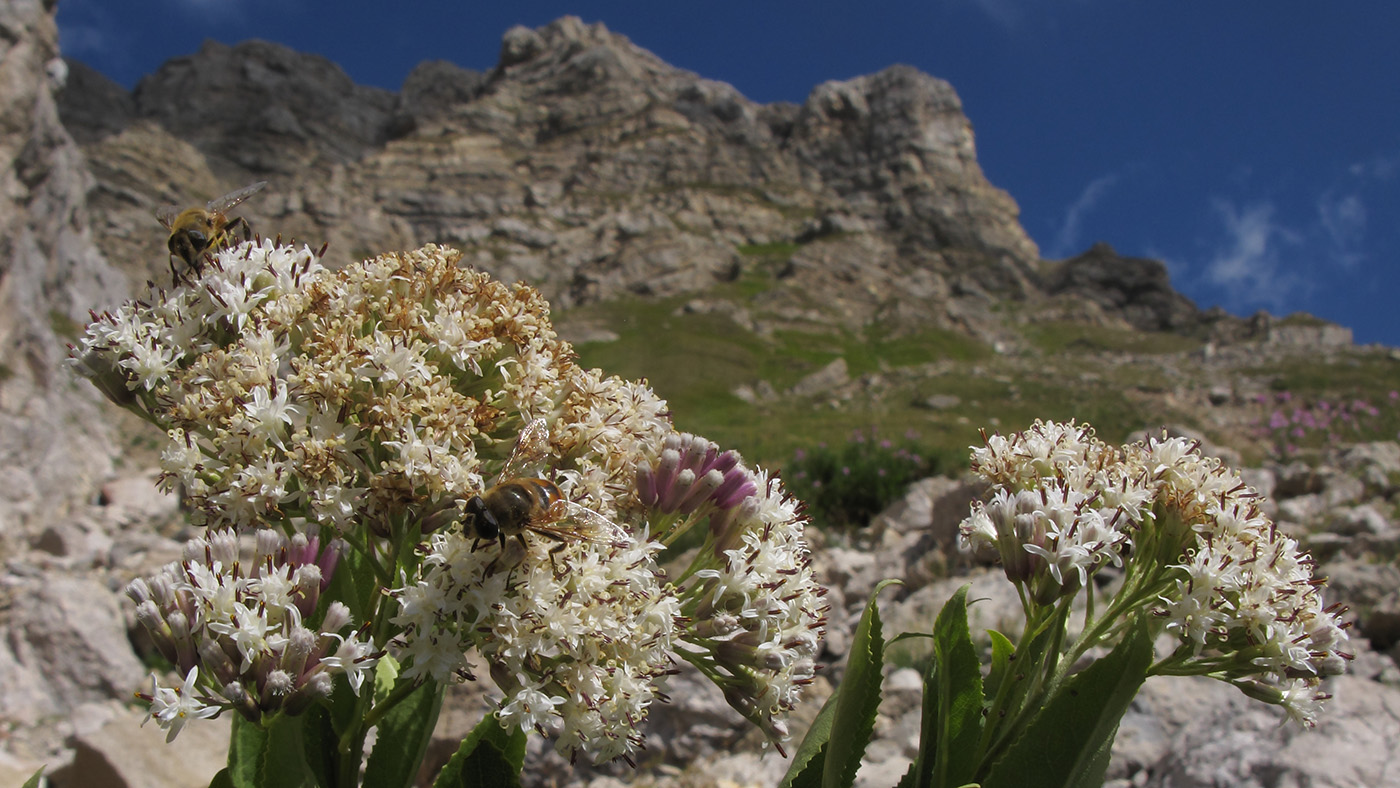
x,y
552,625
531,708
208,607
352,658
172,708
151,363
270,414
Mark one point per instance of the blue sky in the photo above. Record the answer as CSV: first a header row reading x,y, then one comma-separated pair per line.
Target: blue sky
x,y
1253,145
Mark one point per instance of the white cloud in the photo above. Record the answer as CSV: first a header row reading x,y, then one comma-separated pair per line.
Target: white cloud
x,y
1247,266
1381,168
1007,13
1067,240
1343,220
86,29
211,10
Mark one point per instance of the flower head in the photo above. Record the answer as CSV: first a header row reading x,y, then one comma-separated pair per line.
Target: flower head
x,y
379,406
1199,557
243,627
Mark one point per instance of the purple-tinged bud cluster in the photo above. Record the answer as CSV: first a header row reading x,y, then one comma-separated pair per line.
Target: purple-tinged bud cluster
x,y
754,614
691,472
240,631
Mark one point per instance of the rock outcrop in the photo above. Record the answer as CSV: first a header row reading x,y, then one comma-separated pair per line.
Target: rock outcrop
x,y
56,444
1136,288
581,163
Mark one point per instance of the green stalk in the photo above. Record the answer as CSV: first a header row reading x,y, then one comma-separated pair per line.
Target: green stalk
x,y
390,701
1011,691
1041,685
366,712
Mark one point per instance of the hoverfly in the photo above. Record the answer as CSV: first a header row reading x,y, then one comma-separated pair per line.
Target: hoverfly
x,y
196,232
517,503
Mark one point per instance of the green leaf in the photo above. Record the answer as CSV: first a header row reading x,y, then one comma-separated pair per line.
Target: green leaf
x,y
285,765
271,756
1066,744
319,742
805,771
386,677
33,781
403,737
903,636
954,691
911,775
344,710
848,716
221,780
1002,649
490,757
354,584
952,705
857,699
245,752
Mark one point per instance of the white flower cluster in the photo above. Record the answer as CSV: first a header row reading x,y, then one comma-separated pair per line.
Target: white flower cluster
x,y
293,393
581,636
576,639
1198,555
378,404
758,617
755,614
246,625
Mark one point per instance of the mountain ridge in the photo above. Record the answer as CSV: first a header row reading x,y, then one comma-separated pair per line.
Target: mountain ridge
x,y
591,168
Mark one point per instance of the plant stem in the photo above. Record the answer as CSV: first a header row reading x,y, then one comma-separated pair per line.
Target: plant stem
x,y
1040,685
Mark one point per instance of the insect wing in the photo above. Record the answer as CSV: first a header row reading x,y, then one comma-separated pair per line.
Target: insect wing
x,y
221,204
532,446
569,521
167,214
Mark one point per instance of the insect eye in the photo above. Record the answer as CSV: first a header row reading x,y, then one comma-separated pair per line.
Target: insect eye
x,y
199,239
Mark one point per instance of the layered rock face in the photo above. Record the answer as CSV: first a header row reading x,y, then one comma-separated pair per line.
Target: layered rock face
x,y
50,276
580,163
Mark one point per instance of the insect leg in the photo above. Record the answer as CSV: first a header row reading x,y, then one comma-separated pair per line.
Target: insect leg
x,y
239,221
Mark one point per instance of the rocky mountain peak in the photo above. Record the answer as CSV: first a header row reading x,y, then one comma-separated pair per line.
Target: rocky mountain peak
x,y
1137,288
567,53
590,167
264,107
897,145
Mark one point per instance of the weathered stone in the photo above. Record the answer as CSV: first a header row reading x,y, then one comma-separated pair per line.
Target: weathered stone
x,y
56,435
942,401
93,106
1137,288
1364,519
823,380
1242,743
1376,464
1302,508
123,754
264,107
64,643
1297,478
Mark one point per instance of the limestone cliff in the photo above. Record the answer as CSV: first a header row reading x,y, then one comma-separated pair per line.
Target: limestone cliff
x,y
581,163
53,439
